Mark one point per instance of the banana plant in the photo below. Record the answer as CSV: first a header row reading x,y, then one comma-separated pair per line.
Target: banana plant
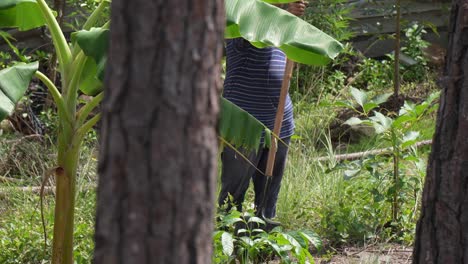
x,y
74,66
81,66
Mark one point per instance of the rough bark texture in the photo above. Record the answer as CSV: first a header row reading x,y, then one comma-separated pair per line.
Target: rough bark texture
x,y
159,145
442,231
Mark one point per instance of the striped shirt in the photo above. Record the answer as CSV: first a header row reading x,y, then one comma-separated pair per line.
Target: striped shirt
x,y
253,82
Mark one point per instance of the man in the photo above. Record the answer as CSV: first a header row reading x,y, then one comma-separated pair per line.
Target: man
x,y
253,82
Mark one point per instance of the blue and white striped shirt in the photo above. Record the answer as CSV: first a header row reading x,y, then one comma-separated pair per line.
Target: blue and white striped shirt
x,y
253,82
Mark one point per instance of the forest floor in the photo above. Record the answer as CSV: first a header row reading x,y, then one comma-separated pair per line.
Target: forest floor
x,y
392,254
377,254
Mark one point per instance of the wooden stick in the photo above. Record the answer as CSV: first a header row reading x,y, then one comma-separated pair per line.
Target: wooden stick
x,y
279,117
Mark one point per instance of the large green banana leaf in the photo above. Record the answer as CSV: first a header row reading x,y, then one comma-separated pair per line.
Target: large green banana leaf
x,y
265,25
14,82
240,128
21,14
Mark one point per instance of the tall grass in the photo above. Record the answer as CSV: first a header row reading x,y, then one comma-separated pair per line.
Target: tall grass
x,y
306,182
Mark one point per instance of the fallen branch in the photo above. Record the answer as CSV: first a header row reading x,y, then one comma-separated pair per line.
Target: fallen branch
x,y
386,252
5,191
8,179
19,140
358,155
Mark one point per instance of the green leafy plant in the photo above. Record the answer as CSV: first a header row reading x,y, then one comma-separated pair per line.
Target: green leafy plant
x,y
73,125
362,102
374,74
364,211
5,59
364,207
332,16
241,237
415,45
80,11
360,212
398,132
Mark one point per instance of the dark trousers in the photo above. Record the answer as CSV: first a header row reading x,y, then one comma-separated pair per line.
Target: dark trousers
x,y
237,172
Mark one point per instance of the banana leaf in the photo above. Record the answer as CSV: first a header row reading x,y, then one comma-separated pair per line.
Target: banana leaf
x,y
94,43
21,14
14,81
265,25
90,84
240,128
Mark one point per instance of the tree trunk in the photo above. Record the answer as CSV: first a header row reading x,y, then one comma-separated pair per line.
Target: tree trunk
x,y
442,231
158,159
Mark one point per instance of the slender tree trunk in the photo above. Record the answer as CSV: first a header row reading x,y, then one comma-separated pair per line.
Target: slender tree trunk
x,y
396,66
442,231
159,145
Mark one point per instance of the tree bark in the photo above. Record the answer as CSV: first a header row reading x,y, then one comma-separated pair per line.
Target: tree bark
x,y
442,231
158,159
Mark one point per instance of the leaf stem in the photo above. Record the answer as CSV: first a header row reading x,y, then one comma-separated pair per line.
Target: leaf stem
x,y
60,43
58,99
81,132
73,86
83,113
93,18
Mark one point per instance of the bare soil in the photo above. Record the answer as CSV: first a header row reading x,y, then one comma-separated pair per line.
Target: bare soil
x,y
380,254
392,254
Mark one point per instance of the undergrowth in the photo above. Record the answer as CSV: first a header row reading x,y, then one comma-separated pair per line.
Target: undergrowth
x,y
24,161
21,231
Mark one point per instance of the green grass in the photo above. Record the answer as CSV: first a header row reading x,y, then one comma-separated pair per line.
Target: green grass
x,y
21,230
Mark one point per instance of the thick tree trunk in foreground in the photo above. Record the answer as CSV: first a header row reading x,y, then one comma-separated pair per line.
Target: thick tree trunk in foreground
x,y
442,231
159,145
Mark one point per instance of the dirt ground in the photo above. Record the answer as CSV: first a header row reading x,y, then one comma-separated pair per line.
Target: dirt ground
x,y
382,254
391,254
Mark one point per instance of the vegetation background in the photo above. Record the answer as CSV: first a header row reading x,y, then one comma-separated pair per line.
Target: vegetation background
x,y
346,203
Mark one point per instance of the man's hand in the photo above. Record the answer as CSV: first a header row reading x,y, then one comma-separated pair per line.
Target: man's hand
x,y
297,8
